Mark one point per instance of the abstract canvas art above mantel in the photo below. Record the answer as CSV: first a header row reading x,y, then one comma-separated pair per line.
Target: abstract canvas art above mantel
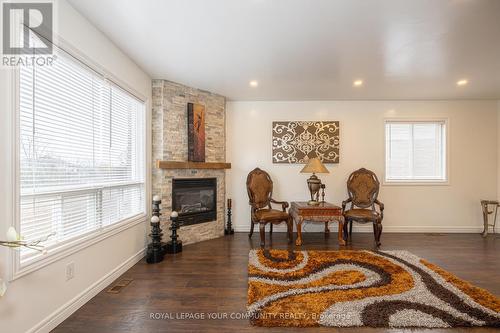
x,y
299,141
196,132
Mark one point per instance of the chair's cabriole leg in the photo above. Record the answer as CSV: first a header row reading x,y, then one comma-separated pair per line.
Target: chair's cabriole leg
x,y
251,230
375,231
262,228
378,232
346,231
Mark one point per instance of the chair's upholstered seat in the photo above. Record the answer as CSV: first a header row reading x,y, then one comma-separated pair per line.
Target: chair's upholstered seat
x,y
364,214
271,215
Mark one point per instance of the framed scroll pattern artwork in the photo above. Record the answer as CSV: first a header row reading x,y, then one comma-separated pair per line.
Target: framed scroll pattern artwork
x,y
196,132
298,141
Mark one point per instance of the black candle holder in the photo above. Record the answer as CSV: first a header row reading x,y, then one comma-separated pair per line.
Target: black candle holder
x,y
155,252
174,245
323,192
229,228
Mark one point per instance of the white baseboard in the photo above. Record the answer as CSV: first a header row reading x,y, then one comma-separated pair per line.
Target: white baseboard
x,y
369,228
66,310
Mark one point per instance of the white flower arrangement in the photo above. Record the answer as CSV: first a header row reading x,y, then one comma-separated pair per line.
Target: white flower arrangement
x,y
15,241
3,287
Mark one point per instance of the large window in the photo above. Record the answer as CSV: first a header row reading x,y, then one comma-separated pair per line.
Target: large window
x,y
81,153
415,151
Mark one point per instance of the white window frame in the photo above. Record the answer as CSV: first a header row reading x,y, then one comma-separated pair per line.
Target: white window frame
x,y
446,155
64,249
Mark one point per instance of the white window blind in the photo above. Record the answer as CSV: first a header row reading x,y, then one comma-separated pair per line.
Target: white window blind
x,y
81,152
415,151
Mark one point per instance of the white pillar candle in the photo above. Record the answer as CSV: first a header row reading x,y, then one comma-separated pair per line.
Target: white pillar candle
x,y
174,214
12,235
155,219
156,198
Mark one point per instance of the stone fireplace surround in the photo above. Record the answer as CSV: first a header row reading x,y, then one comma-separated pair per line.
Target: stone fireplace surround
x,y
169,138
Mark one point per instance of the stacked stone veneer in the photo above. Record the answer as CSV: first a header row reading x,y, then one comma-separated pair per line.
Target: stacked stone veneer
x,y
170,143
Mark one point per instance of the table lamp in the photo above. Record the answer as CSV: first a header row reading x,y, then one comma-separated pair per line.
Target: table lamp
x,y
314,166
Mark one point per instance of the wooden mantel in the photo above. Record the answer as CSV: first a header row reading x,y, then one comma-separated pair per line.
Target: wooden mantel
x,y
192,165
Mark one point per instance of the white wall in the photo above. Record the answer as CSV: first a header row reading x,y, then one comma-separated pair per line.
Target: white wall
x,y
42,299
498,151
498,159
451,208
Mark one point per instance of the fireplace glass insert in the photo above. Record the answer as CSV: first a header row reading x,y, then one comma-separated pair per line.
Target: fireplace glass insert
x,y
195,199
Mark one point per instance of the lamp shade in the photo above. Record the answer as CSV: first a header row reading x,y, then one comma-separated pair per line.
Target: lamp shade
x,y
314,166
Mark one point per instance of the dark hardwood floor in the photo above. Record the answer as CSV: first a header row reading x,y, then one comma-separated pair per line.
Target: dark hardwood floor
x,y
211,277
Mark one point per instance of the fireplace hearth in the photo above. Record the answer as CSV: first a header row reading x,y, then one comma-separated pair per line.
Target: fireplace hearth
x,y
195,199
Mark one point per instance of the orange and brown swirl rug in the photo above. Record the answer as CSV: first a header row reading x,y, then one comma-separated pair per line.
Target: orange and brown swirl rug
x,y
361,288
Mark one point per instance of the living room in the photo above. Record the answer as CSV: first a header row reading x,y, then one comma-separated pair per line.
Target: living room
x,y
256,165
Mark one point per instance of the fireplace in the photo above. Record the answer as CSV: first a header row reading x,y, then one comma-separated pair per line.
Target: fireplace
x,y
195,199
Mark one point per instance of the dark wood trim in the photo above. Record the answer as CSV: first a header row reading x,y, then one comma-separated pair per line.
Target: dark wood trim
x,y
192,165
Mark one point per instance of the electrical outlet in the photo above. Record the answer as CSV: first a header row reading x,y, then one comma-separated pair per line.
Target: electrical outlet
x,y
70,271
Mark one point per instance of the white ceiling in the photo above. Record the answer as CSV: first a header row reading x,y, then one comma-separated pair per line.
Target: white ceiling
x,y
311,49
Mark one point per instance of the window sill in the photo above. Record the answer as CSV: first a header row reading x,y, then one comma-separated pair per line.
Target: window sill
x,y
69,248
416,183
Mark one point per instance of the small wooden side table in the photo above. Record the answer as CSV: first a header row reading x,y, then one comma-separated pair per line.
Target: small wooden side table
x,y
325,212
486,205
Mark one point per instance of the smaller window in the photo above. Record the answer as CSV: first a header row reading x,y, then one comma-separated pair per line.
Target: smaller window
x,y
415,151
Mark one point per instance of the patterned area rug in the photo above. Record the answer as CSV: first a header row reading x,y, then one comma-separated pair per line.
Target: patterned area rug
x,y
361,288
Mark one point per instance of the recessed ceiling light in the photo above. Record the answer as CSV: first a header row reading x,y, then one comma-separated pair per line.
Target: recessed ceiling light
x,y
357,83
253,83
462,82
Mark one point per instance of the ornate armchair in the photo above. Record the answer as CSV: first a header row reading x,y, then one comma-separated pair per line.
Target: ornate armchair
x,y
363,187
260,190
